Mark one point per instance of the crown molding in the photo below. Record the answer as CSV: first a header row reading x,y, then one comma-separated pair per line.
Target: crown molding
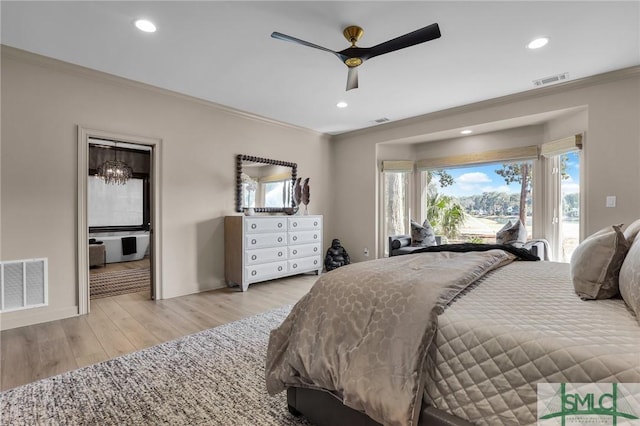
x,y
9,52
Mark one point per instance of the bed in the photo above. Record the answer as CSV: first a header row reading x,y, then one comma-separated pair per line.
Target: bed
x,y
475,356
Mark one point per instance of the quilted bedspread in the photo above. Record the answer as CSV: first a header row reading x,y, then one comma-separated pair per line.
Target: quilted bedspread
x,y
521,325
363,330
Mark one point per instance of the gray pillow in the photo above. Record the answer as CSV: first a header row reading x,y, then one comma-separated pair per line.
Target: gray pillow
x,y
422,235
632,231
596,262
630,278
512,233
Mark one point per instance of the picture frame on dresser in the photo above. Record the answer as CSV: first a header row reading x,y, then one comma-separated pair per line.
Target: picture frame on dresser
x,y
262,248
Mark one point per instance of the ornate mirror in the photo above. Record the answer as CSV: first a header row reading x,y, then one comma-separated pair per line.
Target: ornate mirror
x,y
263,184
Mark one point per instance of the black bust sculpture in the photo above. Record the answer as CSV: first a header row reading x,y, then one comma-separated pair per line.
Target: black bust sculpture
x,y
336,256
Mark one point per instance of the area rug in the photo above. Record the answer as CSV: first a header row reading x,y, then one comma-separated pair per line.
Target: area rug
x,y
214,377
108,284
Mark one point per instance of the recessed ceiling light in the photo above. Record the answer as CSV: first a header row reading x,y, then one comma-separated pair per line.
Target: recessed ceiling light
x,y
466,132
342,104
538,43
146,26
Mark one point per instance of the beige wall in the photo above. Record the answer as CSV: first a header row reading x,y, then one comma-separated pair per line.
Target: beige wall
x,y
42,103
611,155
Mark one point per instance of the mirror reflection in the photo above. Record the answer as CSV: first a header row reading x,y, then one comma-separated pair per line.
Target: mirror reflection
x,y
264,185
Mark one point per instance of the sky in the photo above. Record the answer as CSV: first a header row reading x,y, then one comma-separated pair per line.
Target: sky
x,y
479,179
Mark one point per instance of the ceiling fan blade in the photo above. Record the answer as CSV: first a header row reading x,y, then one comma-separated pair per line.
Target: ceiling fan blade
x,y
285,37
422,35
352,78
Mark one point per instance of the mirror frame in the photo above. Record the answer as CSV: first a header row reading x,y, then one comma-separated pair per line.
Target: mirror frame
x,y
239,159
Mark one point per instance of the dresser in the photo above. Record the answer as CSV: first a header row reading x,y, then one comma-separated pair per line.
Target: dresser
x,y
260,248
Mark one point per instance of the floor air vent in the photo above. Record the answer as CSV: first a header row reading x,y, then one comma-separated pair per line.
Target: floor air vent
x,y
23,284
551,79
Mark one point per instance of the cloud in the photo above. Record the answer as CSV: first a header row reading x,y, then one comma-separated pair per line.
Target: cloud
x,y
473,178
472,181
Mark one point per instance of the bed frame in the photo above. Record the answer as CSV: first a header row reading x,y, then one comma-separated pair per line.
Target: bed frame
x,y
325,409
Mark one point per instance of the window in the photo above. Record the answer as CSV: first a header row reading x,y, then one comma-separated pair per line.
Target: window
x,y
119,206
561,165
470,204
396,199
563,171
469,197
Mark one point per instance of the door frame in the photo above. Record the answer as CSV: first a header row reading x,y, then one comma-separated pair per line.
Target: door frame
x,y
155,237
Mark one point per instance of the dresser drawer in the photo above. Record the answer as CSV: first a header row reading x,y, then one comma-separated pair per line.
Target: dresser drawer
x,y
253,241
258,225
304,237
304,223
306,250
265,271
273,254
305,264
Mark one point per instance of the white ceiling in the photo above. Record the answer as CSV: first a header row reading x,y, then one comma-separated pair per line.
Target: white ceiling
x,y
223,52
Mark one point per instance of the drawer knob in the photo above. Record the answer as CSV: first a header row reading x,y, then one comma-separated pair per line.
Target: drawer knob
x,y
315,223
295,265
279,239
315,262
279,224
253,272
279,254
254,257
315,236
253,226
315,249
253,241
295,224
279,268
295,252
295,238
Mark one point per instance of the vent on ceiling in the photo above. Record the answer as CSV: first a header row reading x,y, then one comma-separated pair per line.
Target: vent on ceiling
x,y
381,120
551,79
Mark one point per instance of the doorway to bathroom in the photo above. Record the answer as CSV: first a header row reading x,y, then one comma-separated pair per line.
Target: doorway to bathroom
x,y
118,216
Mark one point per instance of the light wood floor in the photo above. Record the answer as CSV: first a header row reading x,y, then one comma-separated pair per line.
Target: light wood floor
x,y
122,324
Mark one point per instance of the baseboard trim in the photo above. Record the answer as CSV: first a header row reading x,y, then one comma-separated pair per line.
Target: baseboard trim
x,y
23,318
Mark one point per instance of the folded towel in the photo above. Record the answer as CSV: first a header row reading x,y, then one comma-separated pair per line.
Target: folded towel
x,y
129,245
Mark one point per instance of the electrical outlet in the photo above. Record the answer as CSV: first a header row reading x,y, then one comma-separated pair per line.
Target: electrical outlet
x,y
366,252
611,201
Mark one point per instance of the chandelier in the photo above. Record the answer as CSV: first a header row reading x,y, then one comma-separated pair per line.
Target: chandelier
x,y
114,171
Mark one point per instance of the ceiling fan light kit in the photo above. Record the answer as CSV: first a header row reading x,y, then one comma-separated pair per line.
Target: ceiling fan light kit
x,y
355,56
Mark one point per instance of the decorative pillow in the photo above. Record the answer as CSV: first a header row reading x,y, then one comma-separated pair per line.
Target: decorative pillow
x,y
630,278
596,262
632,231
512,233
422,235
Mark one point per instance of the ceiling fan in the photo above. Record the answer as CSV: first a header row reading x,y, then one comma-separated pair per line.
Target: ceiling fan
x,y
354,56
